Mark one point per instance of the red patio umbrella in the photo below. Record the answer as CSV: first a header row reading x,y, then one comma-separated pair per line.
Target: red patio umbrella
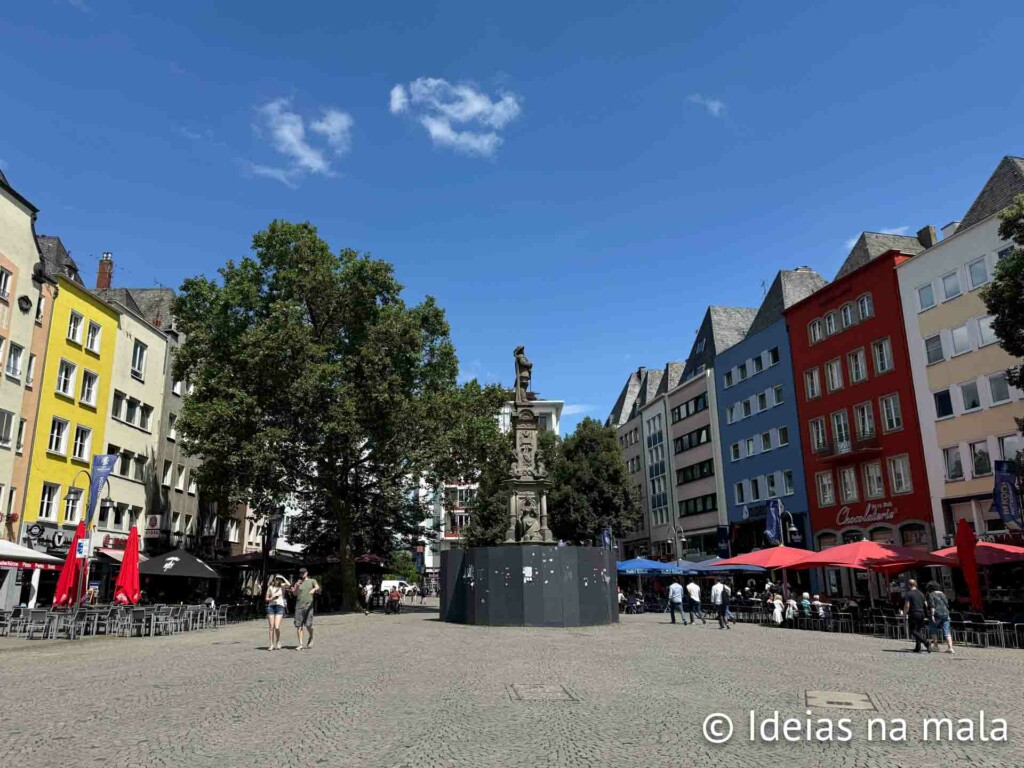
x,y
966,542
870,555
771,558
70,573
126,589
987,554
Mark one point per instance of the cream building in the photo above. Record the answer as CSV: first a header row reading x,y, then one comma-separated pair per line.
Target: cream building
x,y
967,409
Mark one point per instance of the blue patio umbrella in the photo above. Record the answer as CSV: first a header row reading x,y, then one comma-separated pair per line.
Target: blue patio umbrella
x,y
641,566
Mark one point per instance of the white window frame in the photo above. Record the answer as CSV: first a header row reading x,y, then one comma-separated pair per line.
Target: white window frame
x,y
815,330
816,444
935,404
5,284
966,335
865,300
985,321
15,372
92,341
963,398
75,328
787,482
30,373
848,494
49,499
949,477
974,466
86,444
830,324
62,441
959,288
920,304
897,412
897,489
869,478
886,345
927,353
72,505
861,358
846,318
812,383
826,491
780,431
864,418
970,276
7,419
992,394
139,360
834,375
95,377
69,389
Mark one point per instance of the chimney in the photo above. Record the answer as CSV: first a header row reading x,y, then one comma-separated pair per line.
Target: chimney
x,y
105,274
927,236
950,229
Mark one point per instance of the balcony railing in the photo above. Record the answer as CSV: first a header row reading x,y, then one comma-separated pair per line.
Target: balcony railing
x,y
837,449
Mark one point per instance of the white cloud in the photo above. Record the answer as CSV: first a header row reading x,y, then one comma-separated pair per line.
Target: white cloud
x,y
850,242
286,131
715,107
574,409
457,116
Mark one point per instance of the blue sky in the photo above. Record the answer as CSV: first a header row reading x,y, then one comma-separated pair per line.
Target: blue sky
x,y
582,178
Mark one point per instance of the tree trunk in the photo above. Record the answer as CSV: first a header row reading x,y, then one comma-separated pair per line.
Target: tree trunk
x,y
349,587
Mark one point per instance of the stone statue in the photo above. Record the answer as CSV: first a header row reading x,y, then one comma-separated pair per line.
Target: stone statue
x,y
524,374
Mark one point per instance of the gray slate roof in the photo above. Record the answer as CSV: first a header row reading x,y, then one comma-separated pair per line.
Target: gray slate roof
x,y
789,287
56,259
871,245
155,305
122,296
650,387
624,403
1005,183
729,325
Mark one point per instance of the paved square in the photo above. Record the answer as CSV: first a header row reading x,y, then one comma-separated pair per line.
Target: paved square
x,y
409,690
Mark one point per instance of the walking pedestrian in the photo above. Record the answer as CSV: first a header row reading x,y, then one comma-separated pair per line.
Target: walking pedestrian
x,y
367,597
675,601
720,599
693,601
304,589
939,605
275,601
914,604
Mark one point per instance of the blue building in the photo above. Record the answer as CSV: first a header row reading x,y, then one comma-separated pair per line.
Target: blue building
x,y
757,416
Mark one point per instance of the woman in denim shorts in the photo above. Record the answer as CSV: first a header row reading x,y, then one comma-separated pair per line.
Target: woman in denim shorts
x,y
275,599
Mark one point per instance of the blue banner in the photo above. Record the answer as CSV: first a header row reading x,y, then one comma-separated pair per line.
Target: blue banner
x,y
102,466
1005,496
723,541
773,522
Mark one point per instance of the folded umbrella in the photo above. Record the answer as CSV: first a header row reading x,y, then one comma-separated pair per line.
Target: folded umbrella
x,y
67,583
126,589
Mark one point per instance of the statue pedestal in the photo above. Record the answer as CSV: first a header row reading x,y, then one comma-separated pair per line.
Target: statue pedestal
x,y
529,585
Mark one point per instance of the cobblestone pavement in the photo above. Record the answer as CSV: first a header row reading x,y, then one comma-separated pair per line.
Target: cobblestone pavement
x,y
413,691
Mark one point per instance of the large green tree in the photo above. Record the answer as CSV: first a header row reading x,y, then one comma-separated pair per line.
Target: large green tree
x,y
313,380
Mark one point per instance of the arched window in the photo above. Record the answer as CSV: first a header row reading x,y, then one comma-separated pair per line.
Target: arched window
x,y
915,535
830,323
882,535
846,315
814,330
826,540
865,306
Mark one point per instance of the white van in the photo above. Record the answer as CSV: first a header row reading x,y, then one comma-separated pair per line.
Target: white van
x,y
387,584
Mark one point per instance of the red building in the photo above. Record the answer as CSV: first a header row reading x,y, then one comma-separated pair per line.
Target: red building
x,y
864,463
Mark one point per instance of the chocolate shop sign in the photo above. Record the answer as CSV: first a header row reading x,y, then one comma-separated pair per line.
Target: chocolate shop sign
x,y
873,512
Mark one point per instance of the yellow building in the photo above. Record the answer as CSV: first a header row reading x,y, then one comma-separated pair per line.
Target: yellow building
x,y
74,400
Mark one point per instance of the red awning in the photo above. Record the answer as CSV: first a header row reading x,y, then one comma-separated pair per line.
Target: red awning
x,y
772,558
29,566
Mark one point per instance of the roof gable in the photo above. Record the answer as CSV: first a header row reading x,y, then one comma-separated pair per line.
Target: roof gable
x,y
56,259
871,245
789,287
1005,183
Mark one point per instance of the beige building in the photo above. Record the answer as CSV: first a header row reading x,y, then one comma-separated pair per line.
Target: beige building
x,y
967,408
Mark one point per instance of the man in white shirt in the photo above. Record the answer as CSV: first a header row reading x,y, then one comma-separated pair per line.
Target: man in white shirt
x,y
720,599
675,600
693,600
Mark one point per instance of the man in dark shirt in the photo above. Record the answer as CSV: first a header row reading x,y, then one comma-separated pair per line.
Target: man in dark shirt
x,y
914,603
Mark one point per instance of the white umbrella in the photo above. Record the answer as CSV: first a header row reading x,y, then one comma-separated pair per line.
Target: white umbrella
x,y
15,553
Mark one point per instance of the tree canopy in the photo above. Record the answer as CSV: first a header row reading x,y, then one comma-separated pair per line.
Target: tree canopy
x,y
312,380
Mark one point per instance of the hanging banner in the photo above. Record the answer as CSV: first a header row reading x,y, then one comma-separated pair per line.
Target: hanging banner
x,y
102,466
1005,496
723,541
773,522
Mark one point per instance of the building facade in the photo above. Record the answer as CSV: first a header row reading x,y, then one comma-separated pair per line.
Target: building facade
x,y
757,413
863,457
967,407
625,417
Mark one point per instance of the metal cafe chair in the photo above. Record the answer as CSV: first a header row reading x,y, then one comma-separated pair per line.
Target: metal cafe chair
x,y
36,620
843,622
138,619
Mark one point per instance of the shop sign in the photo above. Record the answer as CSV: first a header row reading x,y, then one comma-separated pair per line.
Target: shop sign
x,y
873,512
109,542
152,530
83,548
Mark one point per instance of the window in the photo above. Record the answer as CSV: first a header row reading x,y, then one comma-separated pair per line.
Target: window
x,y
999,387
117,408
783,436
954,467
864,416
943,404
981,462
1010,446
72,505
742,370
734,451
858,362
755,489
985,332
172,433
140,467
846,315
834,375
950,286
83,443
865,306
176,388
5,284
874,488
131,411
138,360
693,472
14,355
766,441
773,356
48,501
841,431
6,428
191,484
762,401
728,379
145,416
848,491
814,330
777,394
899,474
102,515
700,345
812,382
969,393
892,417
770,490
787,482
89,380
933,349
746,408
30,374
40,306
977,272
168,466
21,435
817,434
758,364
66,378
740,493
75,327
826,491
92,337
830,323
961,340
925,297
882,351
124,467
180,483
1004,253
750,446
58,436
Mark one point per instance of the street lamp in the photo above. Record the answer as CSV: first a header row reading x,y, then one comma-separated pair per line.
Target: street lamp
x,y
74,493
680,538
791,529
